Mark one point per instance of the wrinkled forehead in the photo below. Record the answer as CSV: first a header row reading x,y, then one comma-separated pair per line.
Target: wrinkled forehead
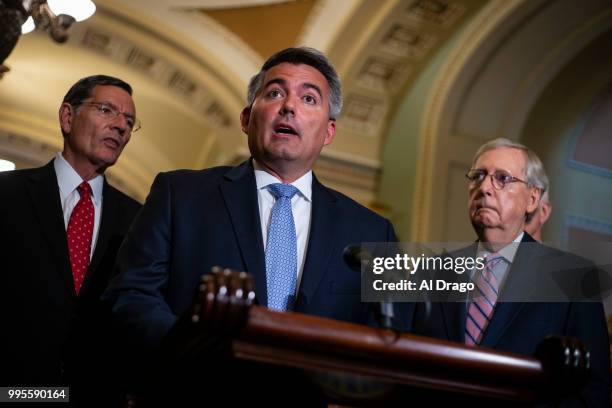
x,y
301,75
508,159
118,97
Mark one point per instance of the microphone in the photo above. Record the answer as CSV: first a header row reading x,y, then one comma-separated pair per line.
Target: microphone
x,y
356,255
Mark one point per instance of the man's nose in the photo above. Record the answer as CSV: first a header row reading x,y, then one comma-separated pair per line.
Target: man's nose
x,y
287,107
120,122
486,186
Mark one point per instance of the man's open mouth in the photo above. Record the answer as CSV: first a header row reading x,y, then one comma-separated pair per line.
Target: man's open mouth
x,y
286,130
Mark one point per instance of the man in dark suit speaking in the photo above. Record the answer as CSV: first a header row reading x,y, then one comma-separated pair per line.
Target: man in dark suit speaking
x,y
509,308
269,216
61,227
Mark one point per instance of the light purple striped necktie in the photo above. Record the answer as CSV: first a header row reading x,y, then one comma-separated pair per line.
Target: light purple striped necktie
x,y
484,298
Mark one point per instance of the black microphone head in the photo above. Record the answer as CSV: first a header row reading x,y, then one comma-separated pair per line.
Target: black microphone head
x,y
354,255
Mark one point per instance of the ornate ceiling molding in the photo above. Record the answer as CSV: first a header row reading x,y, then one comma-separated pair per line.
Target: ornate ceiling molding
x,y
25,150
194,94
391,58
477,32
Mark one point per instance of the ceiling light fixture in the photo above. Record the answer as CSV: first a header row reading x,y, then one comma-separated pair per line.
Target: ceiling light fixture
x,y
23,16
6,165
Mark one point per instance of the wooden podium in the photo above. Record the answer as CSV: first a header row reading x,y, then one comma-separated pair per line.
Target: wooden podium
x,y
340,354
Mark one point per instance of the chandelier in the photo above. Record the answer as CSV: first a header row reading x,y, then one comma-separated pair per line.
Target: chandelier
x,y
53,16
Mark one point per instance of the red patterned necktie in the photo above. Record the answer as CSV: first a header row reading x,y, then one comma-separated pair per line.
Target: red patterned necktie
x,y
484,298
80,232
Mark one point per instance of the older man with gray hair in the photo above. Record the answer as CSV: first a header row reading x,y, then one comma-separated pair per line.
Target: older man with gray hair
x,y
505,182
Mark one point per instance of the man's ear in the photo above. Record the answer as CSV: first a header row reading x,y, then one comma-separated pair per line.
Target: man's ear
x,y
533,199
245,117
545,210
66,115
331,132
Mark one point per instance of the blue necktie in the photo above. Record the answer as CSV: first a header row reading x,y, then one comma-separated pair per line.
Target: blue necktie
x,y
281,250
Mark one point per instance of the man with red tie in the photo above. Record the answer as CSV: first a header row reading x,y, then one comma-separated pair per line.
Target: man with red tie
x,y
61,225
511,307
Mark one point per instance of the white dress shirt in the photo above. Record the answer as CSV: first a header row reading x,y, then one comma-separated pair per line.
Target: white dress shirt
x,y
68,180
301,206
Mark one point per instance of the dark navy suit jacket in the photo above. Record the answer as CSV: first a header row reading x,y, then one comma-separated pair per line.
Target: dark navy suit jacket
x,y
39,308
520,326
194,220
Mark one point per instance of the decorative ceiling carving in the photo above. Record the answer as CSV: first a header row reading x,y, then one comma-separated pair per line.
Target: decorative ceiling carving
x,y
201,53
24,151
396,52
163,71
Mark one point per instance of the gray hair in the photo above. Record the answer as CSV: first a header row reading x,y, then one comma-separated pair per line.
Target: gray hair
x,y
535,176
545,197
307,56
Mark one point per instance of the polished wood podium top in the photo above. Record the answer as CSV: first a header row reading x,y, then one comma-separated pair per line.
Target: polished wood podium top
x,y
225,309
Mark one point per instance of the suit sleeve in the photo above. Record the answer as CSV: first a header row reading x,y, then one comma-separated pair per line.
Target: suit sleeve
x,y
136,294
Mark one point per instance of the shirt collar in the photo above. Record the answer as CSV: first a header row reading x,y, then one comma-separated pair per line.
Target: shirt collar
x,y
68,179
263,179
508,252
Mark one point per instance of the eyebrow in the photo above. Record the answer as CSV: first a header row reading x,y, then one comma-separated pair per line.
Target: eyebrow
x,y
306,85
112,105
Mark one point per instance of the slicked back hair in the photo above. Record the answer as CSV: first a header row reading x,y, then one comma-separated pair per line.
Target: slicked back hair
x,y
83,88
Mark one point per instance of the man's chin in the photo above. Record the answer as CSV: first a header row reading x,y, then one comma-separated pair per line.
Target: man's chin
x,y
281,154
480,222
102,162
110,153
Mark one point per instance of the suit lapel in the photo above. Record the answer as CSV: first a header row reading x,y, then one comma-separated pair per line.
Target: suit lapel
x,y
320,241
44,192
239,191
506,312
